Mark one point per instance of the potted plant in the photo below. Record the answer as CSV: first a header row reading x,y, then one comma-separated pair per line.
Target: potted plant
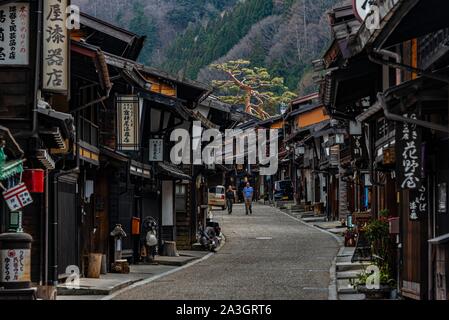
x,y
365,284
377,233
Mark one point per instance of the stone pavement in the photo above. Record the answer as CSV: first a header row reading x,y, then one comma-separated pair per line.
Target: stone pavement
x,y
94,289
344,272
268,255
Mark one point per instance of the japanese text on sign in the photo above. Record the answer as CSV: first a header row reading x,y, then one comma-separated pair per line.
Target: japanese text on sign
x,y
418,203
156,150
14,34
15,265
128,123
410,157
55,51
17,197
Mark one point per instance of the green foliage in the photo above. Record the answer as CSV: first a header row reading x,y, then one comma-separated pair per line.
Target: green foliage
x,y
386,278
252,87
378,234
188,11
142,24
199,46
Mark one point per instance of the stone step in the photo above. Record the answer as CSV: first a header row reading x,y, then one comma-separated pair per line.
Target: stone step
x,y
348,266
352,296
344,258
307,214
353,274
314,219
346,290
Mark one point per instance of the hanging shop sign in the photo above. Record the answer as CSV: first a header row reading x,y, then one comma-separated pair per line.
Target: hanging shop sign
x,y
15,266
410,166
408,153
442,198
14,34
55,48
17,197
418,202
357,146
156,150
128,123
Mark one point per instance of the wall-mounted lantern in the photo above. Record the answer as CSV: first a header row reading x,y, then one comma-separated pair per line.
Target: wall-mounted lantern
x,y
339,138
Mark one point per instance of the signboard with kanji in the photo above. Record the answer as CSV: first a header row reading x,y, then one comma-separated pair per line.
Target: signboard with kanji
x,y
15,265
14,34
156,150
409,165
408,151
128,123
55,46
18,197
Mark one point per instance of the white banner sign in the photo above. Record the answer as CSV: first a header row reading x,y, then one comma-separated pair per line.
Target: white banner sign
x,y
14,34
15,265
128,123
156,150
55,50
17,197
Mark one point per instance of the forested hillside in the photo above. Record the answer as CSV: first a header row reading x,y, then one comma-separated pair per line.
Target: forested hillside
x,y
185,36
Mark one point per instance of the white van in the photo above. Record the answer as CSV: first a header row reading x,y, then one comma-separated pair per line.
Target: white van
x,y
216,197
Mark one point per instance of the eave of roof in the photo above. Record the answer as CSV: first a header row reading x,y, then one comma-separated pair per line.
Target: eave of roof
x,y
101,25
123,63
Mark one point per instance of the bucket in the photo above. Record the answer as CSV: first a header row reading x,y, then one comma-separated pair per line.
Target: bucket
x,y
94,265
104,268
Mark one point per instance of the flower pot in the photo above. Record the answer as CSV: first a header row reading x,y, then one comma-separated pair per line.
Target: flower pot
x,y
384,292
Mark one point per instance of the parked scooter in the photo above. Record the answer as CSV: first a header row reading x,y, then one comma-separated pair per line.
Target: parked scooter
x,y
150,226
208,238
216,226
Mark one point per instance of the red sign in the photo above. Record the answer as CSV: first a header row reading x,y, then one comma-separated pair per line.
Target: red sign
x,y
17,197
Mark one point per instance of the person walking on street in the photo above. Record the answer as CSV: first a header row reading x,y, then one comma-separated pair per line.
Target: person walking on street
x,y
229,199
248,193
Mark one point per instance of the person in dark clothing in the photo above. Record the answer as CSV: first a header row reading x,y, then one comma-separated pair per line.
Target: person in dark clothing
x,y
229,199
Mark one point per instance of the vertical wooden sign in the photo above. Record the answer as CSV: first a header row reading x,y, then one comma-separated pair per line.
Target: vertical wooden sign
x,y
14,34
128,123
55,46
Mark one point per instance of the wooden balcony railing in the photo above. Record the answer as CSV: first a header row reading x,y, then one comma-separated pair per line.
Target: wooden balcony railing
x,y
432,47
89,132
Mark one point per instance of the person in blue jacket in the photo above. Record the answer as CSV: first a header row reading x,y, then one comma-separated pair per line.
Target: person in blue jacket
x,y
248,193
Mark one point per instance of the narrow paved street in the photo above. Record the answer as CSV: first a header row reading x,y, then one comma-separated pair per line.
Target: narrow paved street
x,y
267,256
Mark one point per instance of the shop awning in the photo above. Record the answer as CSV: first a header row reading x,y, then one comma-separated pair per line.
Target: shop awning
x,y
140,169
53,119
430,94
197,116
112,154
174,105
169,170
402,20
10,168
368,113
10,143
440,240
343,87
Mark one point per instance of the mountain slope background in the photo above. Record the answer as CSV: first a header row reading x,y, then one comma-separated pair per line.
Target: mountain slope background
x,y
185,36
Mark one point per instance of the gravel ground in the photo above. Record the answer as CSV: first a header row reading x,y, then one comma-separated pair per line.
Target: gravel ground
x,y
289,261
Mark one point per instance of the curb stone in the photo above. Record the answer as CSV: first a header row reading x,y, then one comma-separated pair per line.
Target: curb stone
x,y
333,292
159,276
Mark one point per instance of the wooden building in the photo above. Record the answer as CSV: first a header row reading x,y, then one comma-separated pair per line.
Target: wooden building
x,y
90,126
390,81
